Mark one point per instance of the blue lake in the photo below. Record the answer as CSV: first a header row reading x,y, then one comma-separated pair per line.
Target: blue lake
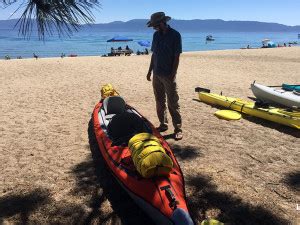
x,y
93,42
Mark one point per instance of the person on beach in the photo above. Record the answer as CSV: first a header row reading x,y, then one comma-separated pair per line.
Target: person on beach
x,y
146,51
166,48
35,56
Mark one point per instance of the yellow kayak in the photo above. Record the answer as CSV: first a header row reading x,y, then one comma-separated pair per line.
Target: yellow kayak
x,y
277,115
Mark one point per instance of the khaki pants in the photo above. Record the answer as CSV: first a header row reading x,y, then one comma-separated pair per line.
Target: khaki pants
x,y
163,87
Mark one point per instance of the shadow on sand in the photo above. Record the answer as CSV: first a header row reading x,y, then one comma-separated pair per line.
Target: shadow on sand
x,y
22,204
281,128
38,207
232,210
185,152
168,136
292,180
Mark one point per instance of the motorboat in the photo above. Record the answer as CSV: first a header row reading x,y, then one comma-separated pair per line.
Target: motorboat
x,y
209,38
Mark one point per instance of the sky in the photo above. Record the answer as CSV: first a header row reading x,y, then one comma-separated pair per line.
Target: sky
x,y
279,11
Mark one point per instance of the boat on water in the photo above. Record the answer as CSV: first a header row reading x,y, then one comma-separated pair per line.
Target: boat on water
x,y
209,38
289,118
293,43
276,96
161,197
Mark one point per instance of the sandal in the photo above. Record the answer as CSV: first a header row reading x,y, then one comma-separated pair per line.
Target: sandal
x,y
178,136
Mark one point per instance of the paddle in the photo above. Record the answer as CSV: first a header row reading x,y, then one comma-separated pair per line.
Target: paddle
x,y
228,114
281,85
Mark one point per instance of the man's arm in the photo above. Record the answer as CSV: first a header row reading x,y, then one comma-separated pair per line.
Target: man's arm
x,y
178,51
175,67
150,68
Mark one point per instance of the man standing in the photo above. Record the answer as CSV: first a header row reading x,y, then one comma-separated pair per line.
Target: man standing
x,y
166,48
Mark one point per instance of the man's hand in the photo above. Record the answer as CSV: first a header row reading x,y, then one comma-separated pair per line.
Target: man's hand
x,y
149,76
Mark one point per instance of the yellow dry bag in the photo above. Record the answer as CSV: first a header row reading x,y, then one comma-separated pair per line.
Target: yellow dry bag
x,y
148,155
108,90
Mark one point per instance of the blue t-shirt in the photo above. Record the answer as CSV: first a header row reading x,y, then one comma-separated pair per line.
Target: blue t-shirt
x,y
164,48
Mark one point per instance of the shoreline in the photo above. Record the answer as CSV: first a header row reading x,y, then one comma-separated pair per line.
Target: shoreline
x,y
186,52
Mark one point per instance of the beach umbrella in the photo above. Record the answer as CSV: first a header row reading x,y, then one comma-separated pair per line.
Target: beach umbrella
x,y
119,39
271,44
144,43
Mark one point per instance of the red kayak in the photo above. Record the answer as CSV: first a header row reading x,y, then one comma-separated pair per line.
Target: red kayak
x,y
161,197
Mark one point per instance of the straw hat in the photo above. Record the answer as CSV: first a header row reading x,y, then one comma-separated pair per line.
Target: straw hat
x,y
157,18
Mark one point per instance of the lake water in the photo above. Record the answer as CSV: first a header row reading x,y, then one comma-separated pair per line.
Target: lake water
x,y
93,42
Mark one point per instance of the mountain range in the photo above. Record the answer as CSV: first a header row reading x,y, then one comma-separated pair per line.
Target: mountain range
x,y
195,25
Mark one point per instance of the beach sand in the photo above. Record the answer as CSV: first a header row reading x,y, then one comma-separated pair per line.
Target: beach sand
x,y
242,172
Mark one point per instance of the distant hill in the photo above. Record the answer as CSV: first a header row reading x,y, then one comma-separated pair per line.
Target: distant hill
x,y
184,25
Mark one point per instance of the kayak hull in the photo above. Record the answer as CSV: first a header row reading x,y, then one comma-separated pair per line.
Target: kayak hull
x,y
273,114
279,97
150,194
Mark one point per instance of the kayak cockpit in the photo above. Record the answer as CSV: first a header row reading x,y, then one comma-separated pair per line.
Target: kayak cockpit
x,y
119,121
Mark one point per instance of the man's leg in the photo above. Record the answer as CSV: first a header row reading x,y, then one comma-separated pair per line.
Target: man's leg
x,y
160,98
173,104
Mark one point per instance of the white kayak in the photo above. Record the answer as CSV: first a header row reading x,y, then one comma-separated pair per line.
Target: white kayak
x,y
276,96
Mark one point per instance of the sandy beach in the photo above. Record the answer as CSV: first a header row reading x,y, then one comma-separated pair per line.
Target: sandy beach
x,y
241,172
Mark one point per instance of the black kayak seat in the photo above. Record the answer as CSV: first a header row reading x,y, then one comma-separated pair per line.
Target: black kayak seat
x,y
114,105
125,125
122,123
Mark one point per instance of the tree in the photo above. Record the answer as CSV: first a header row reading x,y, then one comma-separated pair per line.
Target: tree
x,y
64,16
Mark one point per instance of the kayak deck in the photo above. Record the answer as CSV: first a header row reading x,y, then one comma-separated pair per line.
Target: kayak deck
x,y
151,194
278,115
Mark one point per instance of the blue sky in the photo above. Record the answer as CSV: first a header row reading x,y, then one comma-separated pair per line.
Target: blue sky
x,y
279,11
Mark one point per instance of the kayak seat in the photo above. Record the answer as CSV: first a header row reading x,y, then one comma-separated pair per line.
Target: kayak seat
x,y
114,105
125,125
121,122
111,106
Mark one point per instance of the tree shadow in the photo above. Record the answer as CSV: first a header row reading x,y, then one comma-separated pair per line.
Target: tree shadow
x,y
196,100
232,210
279,127
168,136
185,152
61,212
23,204
94,177
293,180
38,207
